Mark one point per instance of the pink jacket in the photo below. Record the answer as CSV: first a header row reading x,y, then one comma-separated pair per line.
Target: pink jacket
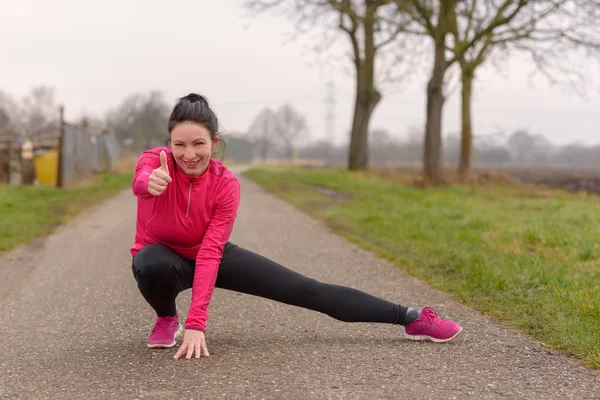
x,y
194,216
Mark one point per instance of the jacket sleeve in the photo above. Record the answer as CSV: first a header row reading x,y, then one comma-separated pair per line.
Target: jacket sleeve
x,y
148,162
210,253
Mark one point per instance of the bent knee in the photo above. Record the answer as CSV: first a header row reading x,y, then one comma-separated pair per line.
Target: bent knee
x,y
154,261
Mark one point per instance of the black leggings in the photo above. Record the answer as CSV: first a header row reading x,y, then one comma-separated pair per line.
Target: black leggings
x,y
162,274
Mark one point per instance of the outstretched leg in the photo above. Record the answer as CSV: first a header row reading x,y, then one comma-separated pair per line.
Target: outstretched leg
x,y
247,272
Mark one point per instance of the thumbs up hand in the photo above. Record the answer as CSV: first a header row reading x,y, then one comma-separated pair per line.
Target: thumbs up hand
x,y
160,178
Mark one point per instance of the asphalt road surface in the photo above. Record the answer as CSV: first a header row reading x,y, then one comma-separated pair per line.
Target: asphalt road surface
x,y
73,325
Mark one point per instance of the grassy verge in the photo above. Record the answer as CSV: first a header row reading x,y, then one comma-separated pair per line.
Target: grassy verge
x,y
530,258
27,212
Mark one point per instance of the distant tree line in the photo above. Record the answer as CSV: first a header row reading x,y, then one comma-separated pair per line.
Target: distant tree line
x,y
390,38
36,115
139,121
519,148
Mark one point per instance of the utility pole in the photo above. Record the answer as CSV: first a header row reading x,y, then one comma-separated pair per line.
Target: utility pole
x,y
330,107
61,134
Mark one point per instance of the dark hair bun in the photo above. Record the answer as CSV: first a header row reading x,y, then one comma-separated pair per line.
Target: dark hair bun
x,y
194,108
194,98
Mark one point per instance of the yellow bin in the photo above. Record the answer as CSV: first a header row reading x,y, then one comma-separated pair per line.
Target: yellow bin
x,y
46,167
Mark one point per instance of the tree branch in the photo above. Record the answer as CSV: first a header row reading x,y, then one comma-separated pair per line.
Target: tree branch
x,y
497,21
424,16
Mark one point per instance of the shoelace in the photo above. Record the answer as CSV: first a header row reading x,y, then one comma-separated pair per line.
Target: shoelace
x,y
163,323
430,315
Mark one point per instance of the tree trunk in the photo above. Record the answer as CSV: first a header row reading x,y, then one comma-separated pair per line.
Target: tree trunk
x,y
433,126
367,96
432,155
366,101
466,145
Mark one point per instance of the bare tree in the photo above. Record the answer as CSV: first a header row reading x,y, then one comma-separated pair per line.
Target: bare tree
x,y
438,19
528,149
289,126
369,25
384,147
10,114
262,132
140,119
547,30
435,18
473,17
40,114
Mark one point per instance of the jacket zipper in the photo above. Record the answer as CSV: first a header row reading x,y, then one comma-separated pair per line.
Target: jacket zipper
x,y
189,197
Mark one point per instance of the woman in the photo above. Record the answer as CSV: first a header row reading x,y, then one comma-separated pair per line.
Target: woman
x,y
187,203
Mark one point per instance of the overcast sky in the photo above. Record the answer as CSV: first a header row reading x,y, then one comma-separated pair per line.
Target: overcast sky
x,y
95,53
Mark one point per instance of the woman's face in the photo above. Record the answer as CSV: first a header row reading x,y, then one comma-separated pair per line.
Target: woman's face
x,y
192,147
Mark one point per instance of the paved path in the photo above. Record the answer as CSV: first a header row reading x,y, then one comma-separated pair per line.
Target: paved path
x,y
74,326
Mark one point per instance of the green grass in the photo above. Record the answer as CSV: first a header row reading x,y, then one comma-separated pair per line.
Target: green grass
x,y
28,211
528,258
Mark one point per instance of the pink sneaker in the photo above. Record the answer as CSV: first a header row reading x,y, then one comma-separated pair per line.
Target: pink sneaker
x,y
164,333
430,327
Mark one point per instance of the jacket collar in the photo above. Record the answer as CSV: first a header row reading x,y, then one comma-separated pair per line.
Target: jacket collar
x,y
181,174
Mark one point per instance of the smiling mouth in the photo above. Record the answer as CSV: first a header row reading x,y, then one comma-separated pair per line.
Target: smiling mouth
x,y
192,165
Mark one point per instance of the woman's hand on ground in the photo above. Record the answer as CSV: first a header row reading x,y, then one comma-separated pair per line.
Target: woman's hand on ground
x,y
193,342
